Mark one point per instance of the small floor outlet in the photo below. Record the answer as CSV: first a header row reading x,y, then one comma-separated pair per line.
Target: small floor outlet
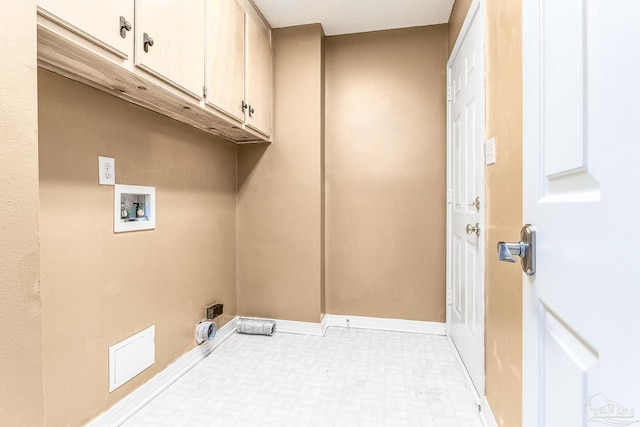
x,y
213,311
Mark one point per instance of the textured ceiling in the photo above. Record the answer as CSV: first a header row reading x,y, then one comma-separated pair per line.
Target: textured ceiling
x,y
355,16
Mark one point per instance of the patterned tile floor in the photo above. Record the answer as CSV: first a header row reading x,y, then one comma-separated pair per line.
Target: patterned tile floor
x,y
349,377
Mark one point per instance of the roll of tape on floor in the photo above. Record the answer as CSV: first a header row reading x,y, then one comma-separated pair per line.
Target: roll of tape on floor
x,y
256,326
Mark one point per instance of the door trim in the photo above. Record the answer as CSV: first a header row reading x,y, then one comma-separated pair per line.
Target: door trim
x,y
475,9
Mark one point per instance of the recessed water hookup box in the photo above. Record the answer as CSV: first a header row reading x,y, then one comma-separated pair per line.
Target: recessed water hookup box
x,y
134,208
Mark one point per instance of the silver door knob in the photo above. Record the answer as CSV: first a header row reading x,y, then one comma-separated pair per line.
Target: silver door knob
x,y
525,249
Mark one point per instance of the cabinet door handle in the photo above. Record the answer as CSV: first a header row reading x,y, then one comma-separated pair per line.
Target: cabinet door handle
x,y
146,42
124,27
244,106
251,111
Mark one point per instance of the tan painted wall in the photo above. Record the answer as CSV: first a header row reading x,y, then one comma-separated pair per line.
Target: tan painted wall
x,y
21,389
385,173
280,200
456,19
503,283
503,53
99,288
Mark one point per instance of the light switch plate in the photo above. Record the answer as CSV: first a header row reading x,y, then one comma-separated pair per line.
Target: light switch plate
x,y
106,170
490,152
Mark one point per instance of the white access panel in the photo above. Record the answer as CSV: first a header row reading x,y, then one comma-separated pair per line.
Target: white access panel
x,y
130,357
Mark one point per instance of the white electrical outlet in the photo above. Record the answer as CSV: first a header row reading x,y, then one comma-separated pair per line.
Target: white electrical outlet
x,y
106,170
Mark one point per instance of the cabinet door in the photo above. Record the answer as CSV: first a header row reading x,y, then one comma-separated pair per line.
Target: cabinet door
x,y
97,22
225,57
259,87
170,42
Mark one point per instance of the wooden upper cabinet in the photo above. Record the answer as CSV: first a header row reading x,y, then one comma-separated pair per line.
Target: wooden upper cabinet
x,y
225,57
206,63
170,37
239,82
106,24
259,82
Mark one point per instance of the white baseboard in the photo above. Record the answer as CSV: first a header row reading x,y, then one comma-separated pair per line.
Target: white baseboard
x,y
295,327
395,325
302,328
360,322
135,400
472,387
486,414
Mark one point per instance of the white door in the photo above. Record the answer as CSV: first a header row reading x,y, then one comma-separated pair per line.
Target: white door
x,y
581,148
465,261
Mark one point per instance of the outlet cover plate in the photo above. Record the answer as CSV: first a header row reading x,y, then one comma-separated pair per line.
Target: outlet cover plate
x,y
490,152
106,170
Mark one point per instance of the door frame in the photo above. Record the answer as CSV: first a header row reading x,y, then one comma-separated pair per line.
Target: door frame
x,y
475,9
